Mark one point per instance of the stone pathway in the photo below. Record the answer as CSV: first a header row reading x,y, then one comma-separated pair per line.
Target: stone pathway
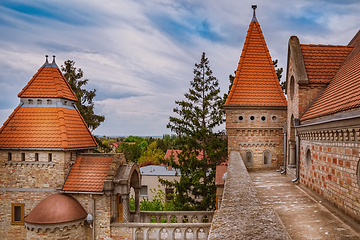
x,y
302,212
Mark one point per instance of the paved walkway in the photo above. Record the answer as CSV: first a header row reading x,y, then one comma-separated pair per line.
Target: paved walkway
x,y
302,212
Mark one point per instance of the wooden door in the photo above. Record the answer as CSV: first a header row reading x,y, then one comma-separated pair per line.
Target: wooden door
x,y
120,208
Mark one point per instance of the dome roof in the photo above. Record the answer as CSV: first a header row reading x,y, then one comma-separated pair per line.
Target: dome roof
x,y
57,208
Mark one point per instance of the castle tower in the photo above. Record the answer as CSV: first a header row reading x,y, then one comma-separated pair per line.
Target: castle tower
x,y
256,106
38,144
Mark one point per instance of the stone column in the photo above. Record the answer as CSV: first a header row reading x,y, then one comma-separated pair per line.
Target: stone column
x,y
292,148
137,205
126,210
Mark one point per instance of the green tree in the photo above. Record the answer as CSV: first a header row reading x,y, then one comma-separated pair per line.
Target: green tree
x,y
152,154
279,72
132,152
231,79
203,148
85,103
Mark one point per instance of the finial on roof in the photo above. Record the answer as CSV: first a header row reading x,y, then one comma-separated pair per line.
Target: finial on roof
x,y
254,15
54,58
46,59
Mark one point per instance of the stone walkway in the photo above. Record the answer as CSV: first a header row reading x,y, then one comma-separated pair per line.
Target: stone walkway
x,y
302,212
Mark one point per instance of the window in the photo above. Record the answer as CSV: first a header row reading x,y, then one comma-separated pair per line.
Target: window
x,y
267,157
30,101
241,118
292,87
17,213
252,118
9,156
22,156
144,191
50,157
36,157
169,194
263,118
274,118
39,101
49,102
249,158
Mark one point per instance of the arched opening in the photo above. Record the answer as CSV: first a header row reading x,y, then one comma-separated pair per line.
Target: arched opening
x,y
249,158
266,158
308,157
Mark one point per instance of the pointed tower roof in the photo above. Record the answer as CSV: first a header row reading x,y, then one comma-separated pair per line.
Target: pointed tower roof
x,y
255,82
52,123
48,82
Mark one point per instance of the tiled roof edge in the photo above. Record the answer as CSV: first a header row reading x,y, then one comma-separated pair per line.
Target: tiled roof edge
x,y
29,83
87,127
9,118
68,85
246,43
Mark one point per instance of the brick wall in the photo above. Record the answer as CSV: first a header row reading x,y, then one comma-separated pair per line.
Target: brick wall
x,y
262,133
332,172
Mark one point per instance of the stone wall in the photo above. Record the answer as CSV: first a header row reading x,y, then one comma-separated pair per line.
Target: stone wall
x,y
331,170
241,215
78,233
264,132
103,212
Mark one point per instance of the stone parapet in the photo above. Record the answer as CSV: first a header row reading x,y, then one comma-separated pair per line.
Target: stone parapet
x,y
241,215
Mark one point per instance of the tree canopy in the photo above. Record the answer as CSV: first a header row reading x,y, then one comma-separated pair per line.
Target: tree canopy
x,y
85,103
203,148
279,72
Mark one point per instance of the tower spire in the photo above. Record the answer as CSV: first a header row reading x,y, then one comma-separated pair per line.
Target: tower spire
x,y
254,15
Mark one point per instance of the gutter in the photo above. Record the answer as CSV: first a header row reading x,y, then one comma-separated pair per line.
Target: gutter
x,y
285,152
326,121
297,158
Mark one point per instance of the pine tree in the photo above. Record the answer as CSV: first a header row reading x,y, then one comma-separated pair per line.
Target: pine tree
x,y
203,148
85,98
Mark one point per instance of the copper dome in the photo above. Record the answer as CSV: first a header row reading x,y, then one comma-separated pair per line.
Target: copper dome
x,y
57,208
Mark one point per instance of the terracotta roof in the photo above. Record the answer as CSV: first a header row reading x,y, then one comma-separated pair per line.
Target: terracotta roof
x,y
45,127
175,155
57,208
323,61
88,174
342,93
256,82
48,82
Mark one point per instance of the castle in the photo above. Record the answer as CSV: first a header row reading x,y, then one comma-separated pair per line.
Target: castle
x,y
51,183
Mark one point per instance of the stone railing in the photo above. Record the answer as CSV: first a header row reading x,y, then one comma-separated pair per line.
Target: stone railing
x,y
241,215
176,216
170,225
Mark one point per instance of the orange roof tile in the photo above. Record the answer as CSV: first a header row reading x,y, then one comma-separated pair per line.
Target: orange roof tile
x,y
256,82
323,61
48,82
175,154
88,174
45,127
342,93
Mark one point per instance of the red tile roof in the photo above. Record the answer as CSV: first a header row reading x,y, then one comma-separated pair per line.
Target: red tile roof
x,y
45,127
256,82
48,82
343,92
175,155
323,61
88,174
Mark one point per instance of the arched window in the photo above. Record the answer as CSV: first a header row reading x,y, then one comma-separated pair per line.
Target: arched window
x,y
9,156
249,158
292,87
266,157
308,157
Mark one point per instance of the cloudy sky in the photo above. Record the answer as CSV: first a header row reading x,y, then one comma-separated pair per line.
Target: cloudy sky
x,y
139,54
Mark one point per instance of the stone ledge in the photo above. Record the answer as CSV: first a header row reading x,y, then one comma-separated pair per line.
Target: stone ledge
x,y
241,215
24,163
